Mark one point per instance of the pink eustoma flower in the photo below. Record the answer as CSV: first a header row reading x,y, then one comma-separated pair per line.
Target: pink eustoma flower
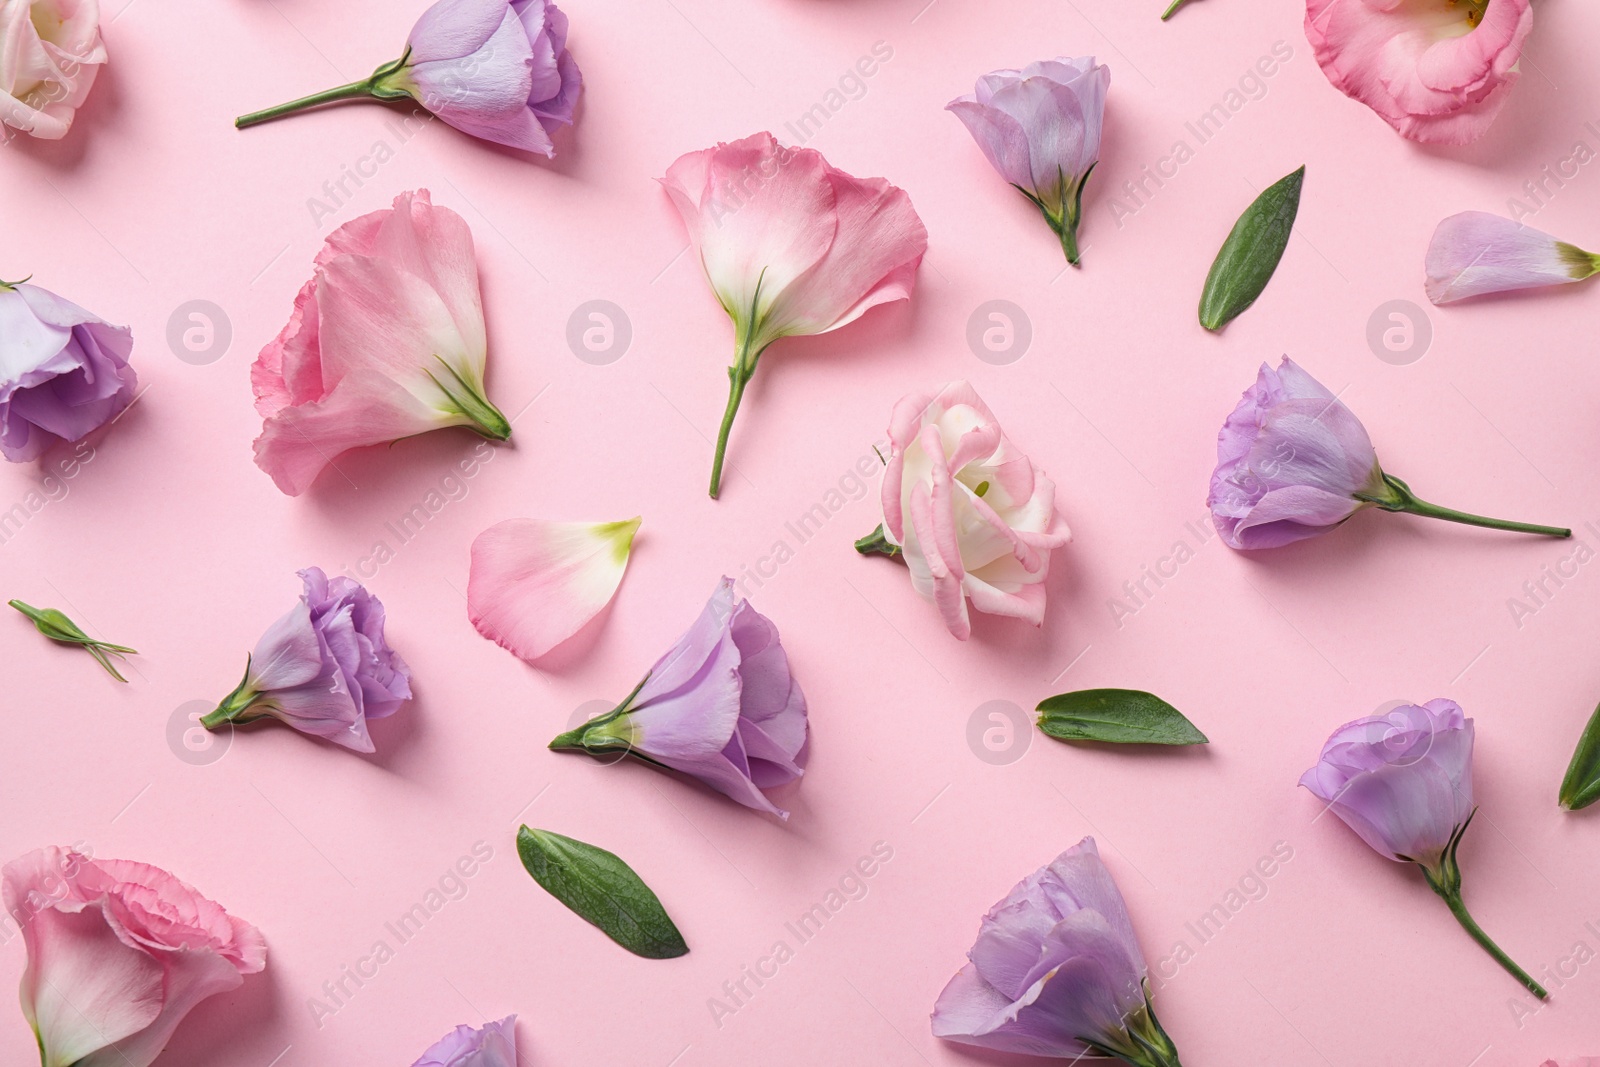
x,y
492,1045
50,52
1403,782
1040,128
533,583
1436,70
972,516
1474,253
791,245
64,373
1057,971
118,954
497,69
385,341
720,706
1294,462
325,668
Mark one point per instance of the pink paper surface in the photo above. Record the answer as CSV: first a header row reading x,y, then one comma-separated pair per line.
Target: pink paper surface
x,y
170,540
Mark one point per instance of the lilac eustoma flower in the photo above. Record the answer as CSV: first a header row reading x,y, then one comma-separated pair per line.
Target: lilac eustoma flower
x,y
325,668
1474,253
1057,971
495,1045
1040,128
1294,462
497,69
64,373
1403,782
721,706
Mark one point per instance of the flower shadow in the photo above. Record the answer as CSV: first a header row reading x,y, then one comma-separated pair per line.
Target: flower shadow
x,y
241,1023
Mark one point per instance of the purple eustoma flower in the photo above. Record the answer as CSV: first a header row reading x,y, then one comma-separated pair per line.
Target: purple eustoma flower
x,y
1474,253
497,69
325,668
63,372
1040,128
1403,782
495,1045
1294,462
720,706
1057,971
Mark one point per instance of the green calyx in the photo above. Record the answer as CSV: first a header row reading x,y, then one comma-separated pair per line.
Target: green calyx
x,y
877,543
1444,878
1142,1043
610,734
1064,210
238,706
467,399
388,82
57,627
8,286
1392,494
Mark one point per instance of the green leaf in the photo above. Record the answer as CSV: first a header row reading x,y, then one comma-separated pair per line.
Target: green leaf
x,y
57,627
1119,716
1581,786
1251,253
602,889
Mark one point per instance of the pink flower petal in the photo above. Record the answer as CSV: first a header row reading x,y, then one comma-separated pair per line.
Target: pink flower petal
x,y
533,584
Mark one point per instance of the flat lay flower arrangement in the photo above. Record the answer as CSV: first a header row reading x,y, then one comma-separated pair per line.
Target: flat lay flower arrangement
x,y
418,653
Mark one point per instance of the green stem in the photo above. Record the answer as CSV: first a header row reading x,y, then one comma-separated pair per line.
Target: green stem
x,y
1069,243
469,400
1444,878
1169,12
1399,497
738,377
327,96
377,86
877,543
1468,923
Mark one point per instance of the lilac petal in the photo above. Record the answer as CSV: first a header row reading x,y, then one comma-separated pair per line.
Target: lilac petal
x,y
288,654
1474,253
493,1045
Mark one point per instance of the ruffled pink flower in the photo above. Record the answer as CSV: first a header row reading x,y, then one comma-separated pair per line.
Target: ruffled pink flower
x,y
1436,70
118,954
791,245
1475,253
533,583
385,341
972,516
50,52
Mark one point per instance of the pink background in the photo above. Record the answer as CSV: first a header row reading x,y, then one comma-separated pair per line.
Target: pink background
x,y
172,541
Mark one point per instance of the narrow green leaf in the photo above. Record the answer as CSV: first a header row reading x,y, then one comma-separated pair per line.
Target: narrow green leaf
x,y
604,890
1120,716
1581,786
1251,253
57,627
